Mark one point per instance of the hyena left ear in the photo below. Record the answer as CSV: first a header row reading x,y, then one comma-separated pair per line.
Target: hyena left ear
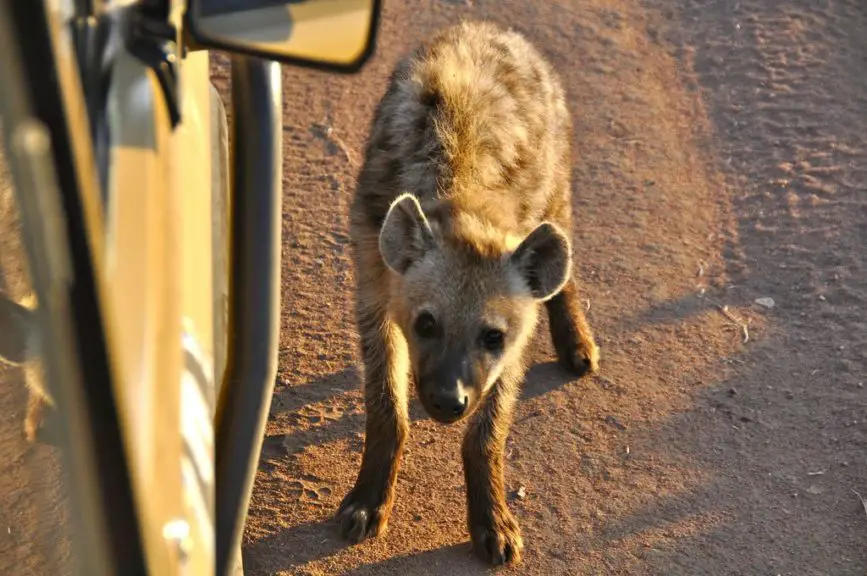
x,y
544,259
405,234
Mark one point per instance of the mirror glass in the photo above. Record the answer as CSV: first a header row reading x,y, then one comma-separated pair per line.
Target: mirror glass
x,y
328,32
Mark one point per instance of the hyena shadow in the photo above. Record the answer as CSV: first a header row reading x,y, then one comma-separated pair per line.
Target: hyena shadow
x,y
14,326
545,377
319,411
324,410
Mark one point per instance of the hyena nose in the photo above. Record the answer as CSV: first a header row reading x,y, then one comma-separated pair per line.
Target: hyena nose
x,y
449,404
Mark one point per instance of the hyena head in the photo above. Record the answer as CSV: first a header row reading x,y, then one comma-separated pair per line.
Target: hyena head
x,y
466,298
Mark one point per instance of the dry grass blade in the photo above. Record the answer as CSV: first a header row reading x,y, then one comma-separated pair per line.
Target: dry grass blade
x,y
338,141
861,498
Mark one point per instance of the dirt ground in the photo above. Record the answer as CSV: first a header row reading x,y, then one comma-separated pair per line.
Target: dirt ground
x,y
34,539
720,158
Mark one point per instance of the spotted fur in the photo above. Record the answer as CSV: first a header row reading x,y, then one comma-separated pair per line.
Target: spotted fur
x,y
462,212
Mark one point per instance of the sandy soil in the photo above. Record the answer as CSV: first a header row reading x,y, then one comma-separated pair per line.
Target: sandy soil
x,y
721,158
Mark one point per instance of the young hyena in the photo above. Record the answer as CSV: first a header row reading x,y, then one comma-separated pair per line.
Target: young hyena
x,y
460,230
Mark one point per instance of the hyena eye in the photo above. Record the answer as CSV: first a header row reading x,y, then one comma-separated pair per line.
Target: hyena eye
x,y
425,325
493,339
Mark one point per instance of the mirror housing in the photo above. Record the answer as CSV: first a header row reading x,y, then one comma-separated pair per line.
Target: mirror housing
x,y
332,35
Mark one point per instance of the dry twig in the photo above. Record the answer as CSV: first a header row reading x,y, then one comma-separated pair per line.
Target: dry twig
x,y
744,326
350,157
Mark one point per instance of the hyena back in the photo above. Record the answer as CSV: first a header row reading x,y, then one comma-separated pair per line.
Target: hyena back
x,y
460,230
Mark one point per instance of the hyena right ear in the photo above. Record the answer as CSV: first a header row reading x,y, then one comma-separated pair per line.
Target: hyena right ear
x,y
405,234
544,259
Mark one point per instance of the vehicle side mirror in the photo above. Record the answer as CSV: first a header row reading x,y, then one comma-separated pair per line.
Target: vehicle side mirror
x,y
336,35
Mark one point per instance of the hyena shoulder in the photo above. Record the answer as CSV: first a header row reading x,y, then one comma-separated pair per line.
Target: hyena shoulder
x,y
476,116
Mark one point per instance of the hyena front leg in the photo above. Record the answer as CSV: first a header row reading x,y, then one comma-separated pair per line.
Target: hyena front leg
x,y
33,419
570,331
494,531
364,511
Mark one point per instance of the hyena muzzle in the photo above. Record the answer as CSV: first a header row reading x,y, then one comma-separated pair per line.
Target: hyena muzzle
x,y
461,227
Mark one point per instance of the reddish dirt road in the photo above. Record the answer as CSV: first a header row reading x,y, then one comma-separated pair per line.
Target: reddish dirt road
x,y
720,158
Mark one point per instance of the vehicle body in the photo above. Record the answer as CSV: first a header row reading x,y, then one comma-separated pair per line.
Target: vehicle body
x,y
156,253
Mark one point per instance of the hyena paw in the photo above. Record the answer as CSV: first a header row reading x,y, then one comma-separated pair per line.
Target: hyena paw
x,y
582,358
31,429
34,419
360,518
498,541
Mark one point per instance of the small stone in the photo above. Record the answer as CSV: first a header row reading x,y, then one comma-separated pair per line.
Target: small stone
x,y
765,302
822,297
815,489
611,420
521,493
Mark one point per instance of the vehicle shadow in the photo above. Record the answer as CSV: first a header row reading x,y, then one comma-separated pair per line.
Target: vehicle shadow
x,y
454,559
294,547
306,543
